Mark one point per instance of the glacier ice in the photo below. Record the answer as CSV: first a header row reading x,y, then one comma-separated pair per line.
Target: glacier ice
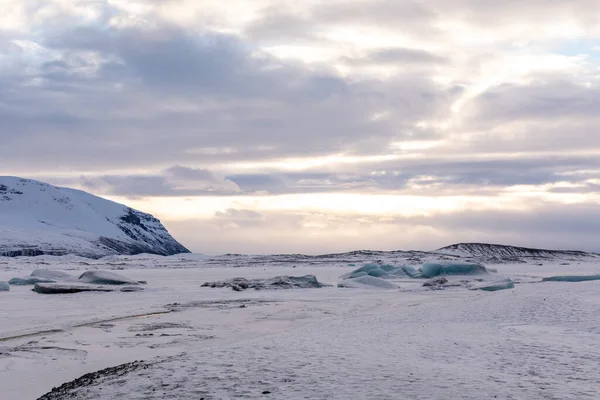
x,y
494,286
4,287
30,280
66,288
430,270
278,282
378,273
411,271
54,275
376,270
366,282
106,278
572,278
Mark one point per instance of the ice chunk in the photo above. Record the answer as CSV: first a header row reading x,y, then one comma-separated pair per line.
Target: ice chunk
x,y
278,282
106,278
30,280
366,282
65,288
572,278
378,271
387,267
431,270
397,271
54,275
4,287
412,271
494,286
364,270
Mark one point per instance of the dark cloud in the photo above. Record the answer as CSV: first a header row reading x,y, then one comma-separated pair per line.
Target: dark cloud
x,y
441,177
165,92
189,104
553,98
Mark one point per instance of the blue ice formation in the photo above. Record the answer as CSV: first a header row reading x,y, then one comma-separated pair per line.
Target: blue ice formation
x,y
430,270
495,286
4,287
379,271
30,280
412,271
572,278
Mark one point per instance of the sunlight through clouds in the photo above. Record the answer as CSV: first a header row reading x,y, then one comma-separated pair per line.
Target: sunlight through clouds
x,y
317,115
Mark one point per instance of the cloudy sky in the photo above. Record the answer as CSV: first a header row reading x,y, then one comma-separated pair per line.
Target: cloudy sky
x,y
315,126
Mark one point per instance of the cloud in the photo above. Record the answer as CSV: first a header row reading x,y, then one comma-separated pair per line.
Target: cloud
x,y
174,181
398,57
243,231
175,99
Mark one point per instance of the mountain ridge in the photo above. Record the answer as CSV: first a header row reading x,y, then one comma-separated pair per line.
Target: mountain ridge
x,y
474,249
37,218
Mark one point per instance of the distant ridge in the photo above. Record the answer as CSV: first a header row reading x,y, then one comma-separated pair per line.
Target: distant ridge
x,y
504,251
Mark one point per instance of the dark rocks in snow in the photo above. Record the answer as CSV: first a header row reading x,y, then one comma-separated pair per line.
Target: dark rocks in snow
x,y
276,283
436,282
106,278
26,253
4,287
66,288
70,390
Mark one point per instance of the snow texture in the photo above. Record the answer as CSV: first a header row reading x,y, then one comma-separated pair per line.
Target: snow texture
x,y
572,278
532,343
276,283
37,218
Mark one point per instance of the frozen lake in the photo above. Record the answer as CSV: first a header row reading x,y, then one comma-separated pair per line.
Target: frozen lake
x,y
537,341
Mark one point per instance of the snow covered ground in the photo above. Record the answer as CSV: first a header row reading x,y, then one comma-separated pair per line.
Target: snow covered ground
x,y
537,341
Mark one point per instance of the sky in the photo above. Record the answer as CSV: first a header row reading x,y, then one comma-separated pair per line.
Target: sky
x,y
262,126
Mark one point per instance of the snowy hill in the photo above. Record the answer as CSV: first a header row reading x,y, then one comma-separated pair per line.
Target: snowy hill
x,y
37,218
507,253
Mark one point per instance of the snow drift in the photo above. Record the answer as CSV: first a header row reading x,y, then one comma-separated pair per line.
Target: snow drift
x,y
37,218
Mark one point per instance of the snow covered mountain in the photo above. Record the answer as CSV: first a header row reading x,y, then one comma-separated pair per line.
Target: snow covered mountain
x,y
509,253
37,218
